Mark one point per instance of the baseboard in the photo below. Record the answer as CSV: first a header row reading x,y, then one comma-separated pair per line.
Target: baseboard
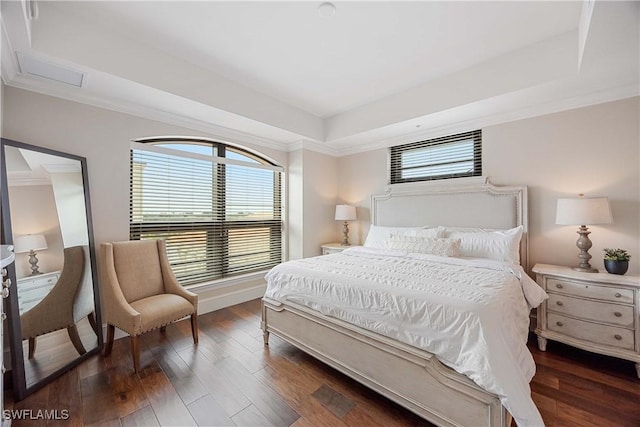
x,y
231,298
206,305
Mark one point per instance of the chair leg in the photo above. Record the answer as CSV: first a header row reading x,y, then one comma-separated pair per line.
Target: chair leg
x,y
75,339
32,347
92,322
111,330
194,327
135,352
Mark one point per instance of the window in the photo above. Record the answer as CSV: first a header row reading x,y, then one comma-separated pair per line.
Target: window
x,y
218,207
451,156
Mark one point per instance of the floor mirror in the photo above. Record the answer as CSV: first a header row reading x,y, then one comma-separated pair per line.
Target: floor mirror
x,y
53,307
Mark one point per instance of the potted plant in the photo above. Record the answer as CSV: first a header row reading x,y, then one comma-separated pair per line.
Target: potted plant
x,y
616,261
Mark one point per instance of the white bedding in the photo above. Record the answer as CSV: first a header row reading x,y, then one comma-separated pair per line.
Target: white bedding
x,y
473,314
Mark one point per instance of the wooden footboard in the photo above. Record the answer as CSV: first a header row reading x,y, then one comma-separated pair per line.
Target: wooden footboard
x,y
409,376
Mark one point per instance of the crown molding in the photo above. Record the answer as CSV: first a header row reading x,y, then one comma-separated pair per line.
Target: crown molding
x,y
27,178
224,134
61,168
9,66
12,77
305,144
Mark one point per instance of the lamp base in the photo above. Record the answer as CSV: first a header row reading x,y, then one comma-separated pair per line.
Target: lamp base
x,y
33,260
345,234
584,244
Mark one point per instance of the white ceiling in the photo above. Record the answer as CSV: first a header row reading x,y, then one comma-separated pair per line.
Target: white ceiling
x,y
374,73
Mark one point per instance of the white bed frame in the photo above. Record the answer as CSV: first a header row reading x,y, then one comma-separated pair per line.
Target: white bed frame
x,y
411,377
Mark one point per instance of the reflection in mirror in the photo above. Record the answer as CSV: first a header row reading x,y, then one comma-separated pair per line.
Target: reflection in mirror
x,y
54,266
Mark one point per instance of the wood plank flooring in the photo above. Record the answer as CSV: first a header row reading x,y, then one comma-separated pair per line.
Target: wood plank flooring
x,y
231,379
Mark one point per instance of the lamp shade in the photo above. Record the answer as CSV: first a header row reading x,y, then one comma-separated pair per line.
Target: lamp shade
x,y
30,242
345,213
583,211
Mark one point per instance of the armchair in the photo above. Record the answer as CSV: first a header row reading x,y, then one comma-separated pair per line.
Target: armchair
x,y
61,308
141,293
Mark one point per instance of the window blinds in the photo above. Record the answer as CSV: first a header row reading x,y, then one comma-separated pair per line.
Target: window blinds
x,y
219,216
440,158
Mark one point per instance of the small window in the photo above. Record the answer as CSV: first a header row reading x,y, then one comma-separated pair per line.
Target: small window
x,y
453,156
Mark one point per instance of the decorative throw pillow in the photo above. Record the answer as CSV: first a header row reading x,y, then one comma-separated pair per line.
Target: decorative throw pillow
x,y
379,235
500,245
425,245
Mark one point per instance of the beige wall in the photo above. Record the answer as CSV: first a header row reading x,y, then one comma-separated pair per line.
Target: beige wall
x,y
313,186
103,137
295,203
360,176
100,135
593,150
33,211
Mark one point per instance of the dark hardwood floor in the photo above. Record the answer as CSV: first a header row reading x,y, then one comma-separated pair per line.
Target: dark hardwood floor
x,y
230,379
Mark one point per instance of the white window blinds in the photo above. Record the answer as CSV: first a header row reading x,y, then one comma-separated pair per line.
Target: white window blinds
x,y
218,208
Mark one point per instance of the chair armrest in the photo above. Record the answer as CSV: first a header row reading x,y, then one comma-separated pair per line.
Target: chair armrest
x,y
118,312
171,284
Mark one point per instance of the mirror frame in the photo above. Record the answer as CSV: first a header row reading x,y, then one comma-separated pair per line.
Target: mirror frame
x,y
20,388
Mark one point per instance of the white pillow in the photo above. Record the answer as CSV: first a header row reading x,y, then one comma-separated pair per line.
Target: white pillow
x,y
425,245
500,245
449,230
378,236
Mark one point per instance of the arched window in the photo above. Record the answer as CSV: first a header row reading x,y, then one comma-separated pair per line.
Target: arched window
x,y
217,206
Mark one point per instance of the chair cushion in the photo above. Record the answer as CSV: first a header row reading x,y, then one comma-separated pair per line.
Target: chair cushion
x,y
137,266
158,310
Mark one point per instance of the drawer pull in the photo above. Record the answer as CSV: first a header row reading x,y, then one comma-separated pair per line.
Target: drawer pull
x,y
618,337
618,295
559,323
559,303
558,285
617,314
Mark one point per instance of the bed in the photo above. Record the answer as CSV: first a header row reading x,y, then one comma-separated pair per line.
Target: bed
x,y
393,361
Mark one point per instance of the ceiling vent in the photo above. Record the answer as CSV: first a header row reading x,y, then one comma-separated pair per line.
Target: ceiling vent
x,y
37,67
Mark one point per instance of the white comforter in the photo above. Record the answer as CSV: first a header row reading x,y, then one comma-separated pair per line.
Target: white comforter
x,y
472,314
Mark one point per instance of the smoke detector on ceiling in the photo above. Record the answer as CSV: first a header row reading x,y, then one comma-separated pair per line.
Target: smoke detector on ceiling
x,y
40,68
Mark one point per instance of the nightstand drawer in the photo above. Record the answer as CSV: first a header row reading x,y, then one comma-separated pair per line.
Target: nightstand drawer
x,y
591,310
591,291
332,248
599,334
327,251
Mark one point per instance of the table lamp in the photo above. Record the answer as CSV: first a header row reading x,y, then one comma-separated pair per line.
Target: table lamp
x,y
584,211
31,243
345,213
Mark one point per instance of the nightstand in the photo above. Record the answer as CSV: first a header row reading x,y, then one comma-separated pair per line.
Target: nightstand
x,y
598,312
32,289
332,248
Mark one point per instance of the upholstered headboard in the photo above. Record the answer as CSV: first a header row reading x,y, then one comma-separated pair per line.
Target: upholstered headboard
x,y
477,205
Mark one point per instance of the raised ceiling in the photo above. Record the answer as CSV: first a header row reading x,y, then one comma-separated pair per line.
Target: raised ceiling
x,y
373,74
